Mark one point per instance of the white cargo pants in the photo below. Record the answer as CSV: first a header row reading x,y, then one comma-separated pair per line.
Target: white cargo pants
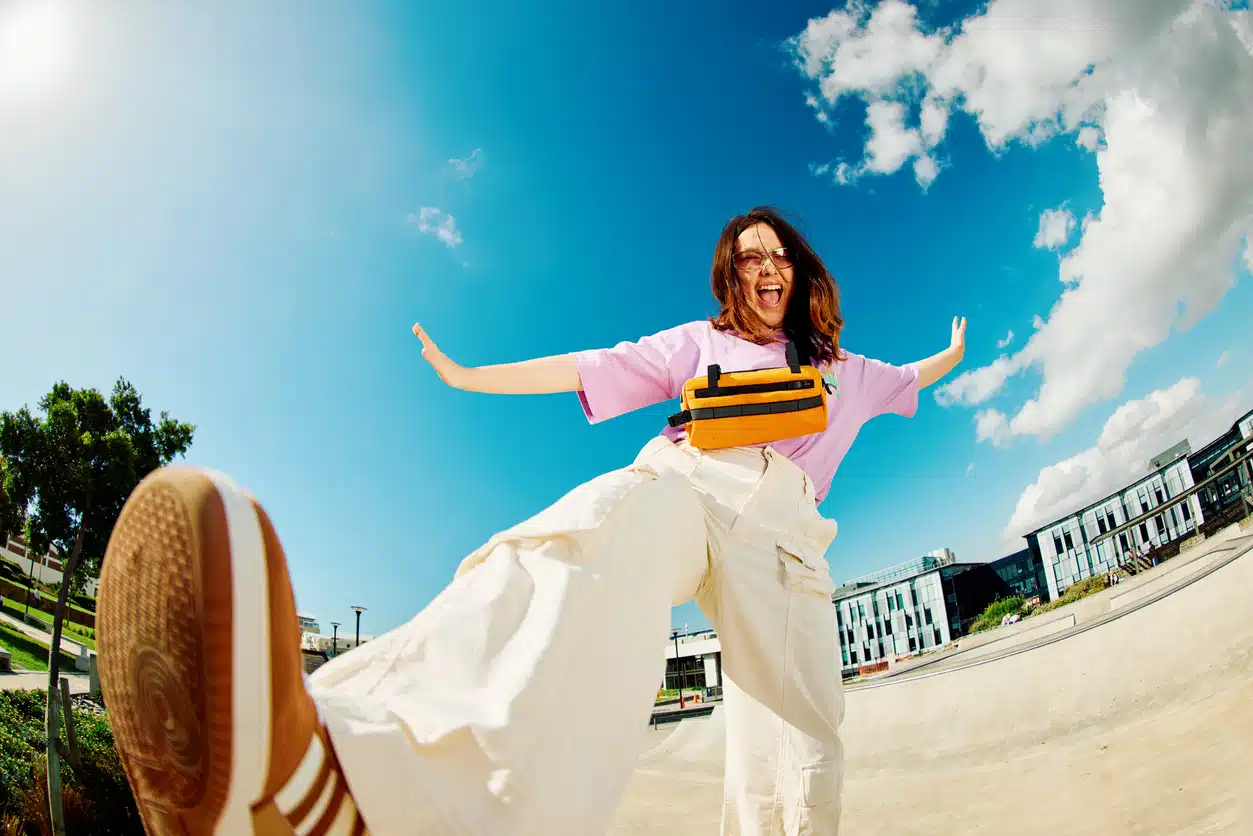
x,y
518,701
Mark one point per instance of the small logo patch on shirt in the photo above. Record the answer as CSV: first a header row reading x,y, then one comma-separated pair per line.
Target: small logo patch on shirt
x,y
831,380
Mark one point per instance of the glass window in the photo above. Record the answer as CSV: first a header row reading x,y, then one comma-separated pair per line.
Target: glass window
x,y
1187,512
1070,544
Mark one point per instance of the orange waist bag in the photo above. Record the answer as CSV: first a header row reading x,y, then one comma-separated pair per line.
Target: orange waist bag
x,y
736,409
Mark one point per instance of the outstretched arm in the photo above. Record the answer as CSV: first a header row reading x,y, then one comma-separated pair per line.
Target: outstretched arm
x,y
937,365
542,376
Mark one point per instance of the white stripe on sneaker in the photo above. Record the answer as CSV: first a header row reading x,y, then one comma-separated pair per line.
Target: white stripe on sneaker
x,y
306,825
301,781
250,659
345,823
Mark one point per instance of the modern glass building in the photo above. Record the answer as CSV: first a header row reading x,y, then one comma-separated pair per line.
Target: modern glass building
x,y
1023,574
1211,459
1064,546
909,615
909,568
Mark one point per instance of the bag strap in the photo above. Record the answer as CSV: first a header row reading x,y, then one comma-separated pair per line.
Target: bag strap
x,y
793,357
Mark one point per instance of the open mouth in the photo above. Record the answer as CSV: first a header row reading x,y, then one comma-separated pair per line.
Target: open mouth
x,y
769,295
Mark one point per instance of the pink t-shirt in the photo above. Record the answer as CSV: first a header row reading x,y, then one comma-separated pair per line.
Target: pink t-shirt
x,y
633,375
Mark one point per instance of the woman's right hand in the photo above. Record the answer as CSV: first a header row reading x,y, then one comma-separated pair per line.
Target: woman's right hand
x,y
448,371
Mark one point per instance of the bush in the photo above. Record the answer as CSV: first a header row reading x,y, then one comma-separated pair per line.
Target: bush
x,y
96,798
1075,591
992,615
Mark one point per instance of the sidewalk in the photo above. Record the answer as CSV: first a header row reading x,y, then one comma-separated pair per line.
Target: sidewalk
x,y
33,632
39,682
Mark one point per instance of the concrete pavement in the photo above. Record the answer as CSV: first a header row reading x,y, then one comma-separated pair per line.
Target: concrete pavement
x,y
1140,722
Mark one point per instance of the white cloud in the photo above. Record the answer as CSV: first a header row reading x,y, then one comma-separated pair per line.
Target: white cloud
x,y
891,143
926,169
978,385
1089,137
992,425
468,167
969,468
1134,433
1009,338
857,50
934,121
1248,254
1055,228
432,222
1159,88
1222,359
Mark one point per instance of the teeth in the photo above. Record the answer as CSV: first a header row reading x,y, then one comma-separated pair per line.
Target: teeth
x,y
771,287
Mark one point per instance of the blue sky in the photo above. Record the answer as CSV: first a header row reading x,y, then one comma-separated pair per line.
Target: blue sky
x,y
222,206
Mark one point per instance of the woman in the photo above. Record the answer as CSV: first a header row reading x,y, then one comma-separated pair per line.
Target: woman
x,y
517,701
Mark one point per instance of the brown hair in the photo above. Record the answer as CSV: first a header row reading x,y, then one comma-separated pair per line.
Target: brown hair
x,y
812,319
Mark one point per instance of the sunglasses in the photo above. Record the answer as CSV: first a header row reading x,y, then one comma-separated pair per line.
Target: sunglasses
x,y
751,261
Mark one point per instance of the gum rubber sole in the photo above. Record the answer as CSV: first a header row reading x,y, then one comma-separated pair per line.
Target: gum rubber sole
x,y
165,650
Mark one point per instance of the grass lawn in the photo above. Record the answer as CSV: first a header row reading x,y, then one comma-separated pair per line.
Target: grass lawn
x,y
21,597
28,653
74,632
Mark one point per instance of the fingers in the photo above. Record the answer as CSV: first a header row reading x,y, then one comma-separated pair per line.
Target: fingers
x,y
420,333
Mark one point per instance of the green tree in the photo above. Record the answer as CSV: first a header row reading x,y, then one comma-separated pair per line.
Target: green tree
x,y
65,476
68,471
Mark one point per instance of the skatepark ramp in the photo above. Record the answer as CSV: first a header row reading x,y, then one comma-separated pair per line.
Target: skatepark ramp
x,y
1140,722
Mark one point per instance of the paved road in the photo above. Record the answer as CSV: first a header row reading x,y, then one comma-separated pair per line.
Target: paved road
x,y
1141,724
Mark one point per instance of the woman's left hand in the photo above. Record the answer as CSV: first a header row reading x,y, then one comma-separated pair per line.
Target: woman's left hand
x,y
958,344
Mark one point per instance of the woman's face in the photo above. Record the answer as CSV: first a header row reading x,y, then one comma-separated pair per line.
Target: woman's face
x,y
764,268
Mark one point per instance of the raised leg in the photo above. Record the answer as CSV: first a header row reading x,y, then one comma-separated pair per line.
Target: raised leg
x,y
518,700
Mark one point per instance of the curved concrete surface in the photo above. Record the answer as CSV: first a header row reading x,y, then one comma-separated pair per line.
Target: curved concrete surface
x,y
1141,724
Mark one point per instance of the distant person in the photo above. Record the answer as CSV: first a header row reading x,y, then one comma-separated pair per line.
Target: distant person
x,y
468,719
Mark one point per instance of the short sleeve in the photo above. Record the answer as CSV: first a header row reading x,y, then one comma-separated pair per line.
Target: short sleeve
x,y
889,389
633,375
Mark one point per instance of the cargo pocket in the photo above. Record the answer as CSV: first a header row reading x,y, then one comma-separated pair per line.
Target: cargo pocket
x,y
820,784
804,570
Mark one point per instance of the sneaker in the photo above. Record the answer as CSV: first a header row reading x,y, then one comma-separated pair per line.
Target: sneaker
x,y
201,669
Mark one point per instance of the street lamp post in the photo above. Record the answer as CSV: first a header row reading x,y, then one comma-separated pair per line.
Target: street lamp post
x,y
678,670
358,611
334,638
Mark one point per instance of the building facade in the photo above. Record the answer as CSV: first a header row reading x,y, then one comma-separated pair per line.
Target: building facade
x,y
1064,546
906,569
694,662
908,615
1217,498
1022,573
42,568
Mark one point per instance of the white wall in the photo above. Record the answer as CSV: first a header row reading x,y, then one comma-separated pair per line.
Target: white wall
x,y
44,574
